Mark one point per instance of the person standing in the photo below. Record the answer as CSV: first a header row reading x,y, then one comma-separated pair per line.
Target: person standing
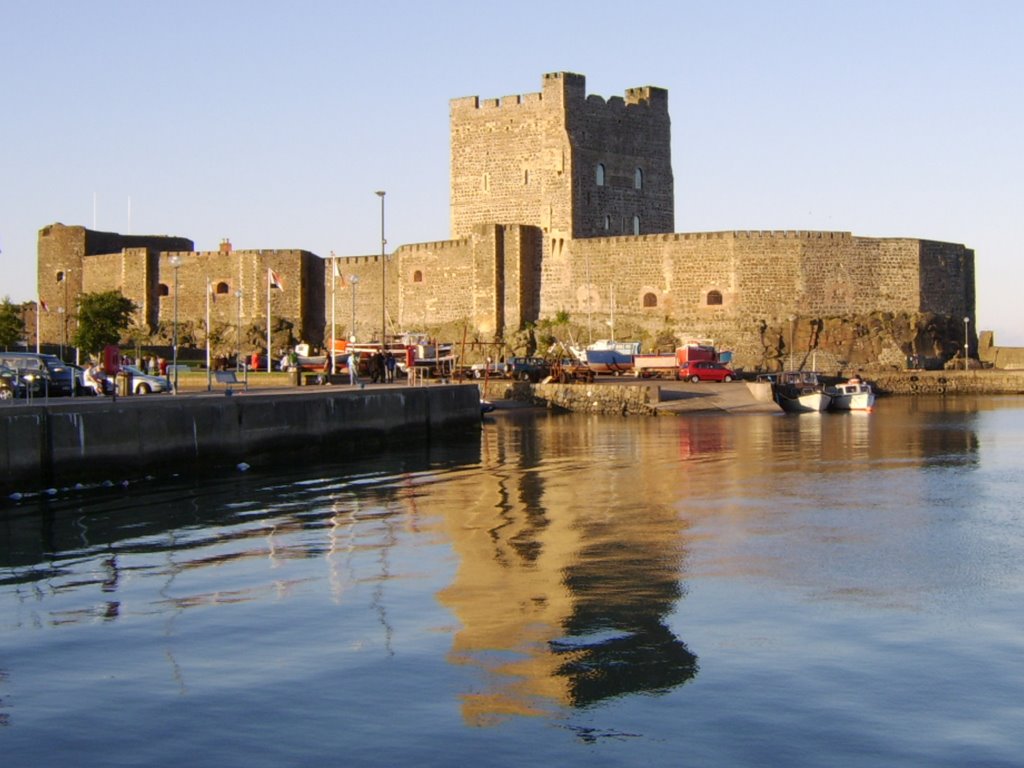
x,y
353,368
377,367
389,367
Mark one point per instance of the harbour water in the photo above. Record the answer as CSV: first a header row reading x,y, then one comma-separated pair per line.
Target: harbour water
x,y
708,590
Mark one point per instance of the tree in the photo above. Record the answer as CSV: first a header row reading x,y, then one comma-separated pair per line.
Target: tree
x,y
102,318
12,324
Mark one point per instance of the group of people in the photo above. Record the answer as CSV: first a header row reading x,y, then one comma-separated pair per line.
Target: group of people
x,y
94,377
381,367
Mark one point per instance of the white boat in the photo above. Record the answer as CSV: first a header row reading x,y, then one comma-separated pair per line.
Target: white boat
x,y
855,394
799,392
608,356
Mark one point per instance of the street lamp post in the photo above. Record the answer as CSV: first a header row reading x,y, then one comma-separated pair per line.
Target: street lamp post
x,y
238,333
63,330
65,337
967,321
383,242
354,279
175,261
792,332
334,324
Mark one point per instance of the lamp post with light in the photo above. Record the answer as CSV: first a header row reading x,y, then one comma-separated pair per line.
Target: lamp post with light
x,y
175,261
238,332
383,242
63,330
354,280
792,331
967,321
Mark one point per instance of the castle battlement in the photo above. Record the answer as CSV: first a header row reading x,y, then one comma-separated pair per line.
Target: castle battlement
x,y
437,245
561,88
790,234
739,234
358,259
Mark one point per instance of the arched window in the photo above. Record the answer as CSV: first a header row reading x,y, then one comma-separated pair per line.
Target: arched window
x,y
650,300
61,276
607,222
638,178
714,298
162,290
222,287
417,276
599,174
636,225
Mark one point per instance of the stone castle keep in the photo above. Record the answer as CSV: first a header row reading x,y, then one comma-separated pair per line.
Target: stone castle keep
x,y
562,218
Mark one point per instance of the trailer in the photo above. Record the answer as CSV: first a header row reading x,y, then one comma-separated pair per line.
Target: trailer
x,y
662,366
570,370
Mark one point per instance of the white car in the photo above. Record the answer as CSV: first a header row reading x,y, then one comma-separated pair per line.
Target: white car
x,y
144,383
490,370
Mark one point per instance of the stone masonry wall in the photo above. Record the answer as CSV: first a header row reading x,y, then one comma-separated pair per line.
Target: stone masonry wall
x,y
631,141
762,279
63,254
299,303
508,162
531,159
854,299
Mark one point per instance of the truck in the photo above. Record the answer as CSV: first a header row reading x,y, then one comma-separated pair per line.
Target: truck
x,y
531,369
695,352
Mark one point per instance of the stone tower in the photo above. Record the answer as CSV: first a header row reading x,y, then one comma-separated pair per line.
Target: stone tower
x,y
573,165
74,260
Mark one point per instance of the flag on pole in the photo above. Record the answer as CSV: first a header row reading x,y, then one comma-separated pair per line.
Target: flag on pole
x,y
337,272
39,310
274,279
211,291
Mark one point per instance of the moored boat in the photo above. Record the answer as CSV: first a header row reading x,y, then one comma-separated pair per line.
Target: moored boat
x,y
800,392
855,394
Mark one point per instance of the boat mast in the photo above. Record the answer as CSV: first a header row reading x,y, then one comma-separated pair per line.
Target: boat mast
x,y
590,332
611,308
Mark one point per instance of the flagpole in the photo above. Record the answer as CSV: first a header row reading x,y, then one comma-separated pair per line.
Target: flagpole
x,y
268,319
39,311
209,373
334,285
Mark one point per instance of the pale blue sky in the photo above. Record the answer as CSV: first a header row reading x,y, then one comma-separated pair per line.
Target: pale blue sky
x,y
272,124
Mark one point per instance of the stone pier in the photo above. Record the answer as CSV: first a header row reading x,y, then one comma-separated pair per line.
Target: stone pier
x,y
66,441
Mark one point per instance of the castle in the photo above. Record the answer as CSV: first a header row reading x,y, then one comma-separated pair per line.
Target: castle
x,y
562,215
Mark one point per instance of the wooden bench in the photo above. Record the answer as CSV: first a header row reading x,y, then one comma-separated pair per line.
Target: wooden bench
x,y
228,378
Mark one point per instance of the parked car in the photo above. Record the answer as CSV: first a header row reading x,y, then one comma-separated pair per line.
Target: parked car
x,y
10,385
144,383
705,370
43,374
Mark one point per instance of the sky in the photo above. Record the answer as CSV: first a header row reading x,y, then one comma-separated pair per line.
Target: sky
x,y
273,124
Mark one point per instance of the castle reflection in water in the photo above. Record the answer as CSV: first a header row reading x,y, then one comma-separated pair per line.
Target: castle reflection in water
x,y
573,538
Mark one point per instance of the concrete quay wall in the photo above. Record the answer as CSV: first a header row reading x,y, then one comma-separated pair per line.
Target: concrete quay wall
x,y
984,381
631,399
61,443
667,398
